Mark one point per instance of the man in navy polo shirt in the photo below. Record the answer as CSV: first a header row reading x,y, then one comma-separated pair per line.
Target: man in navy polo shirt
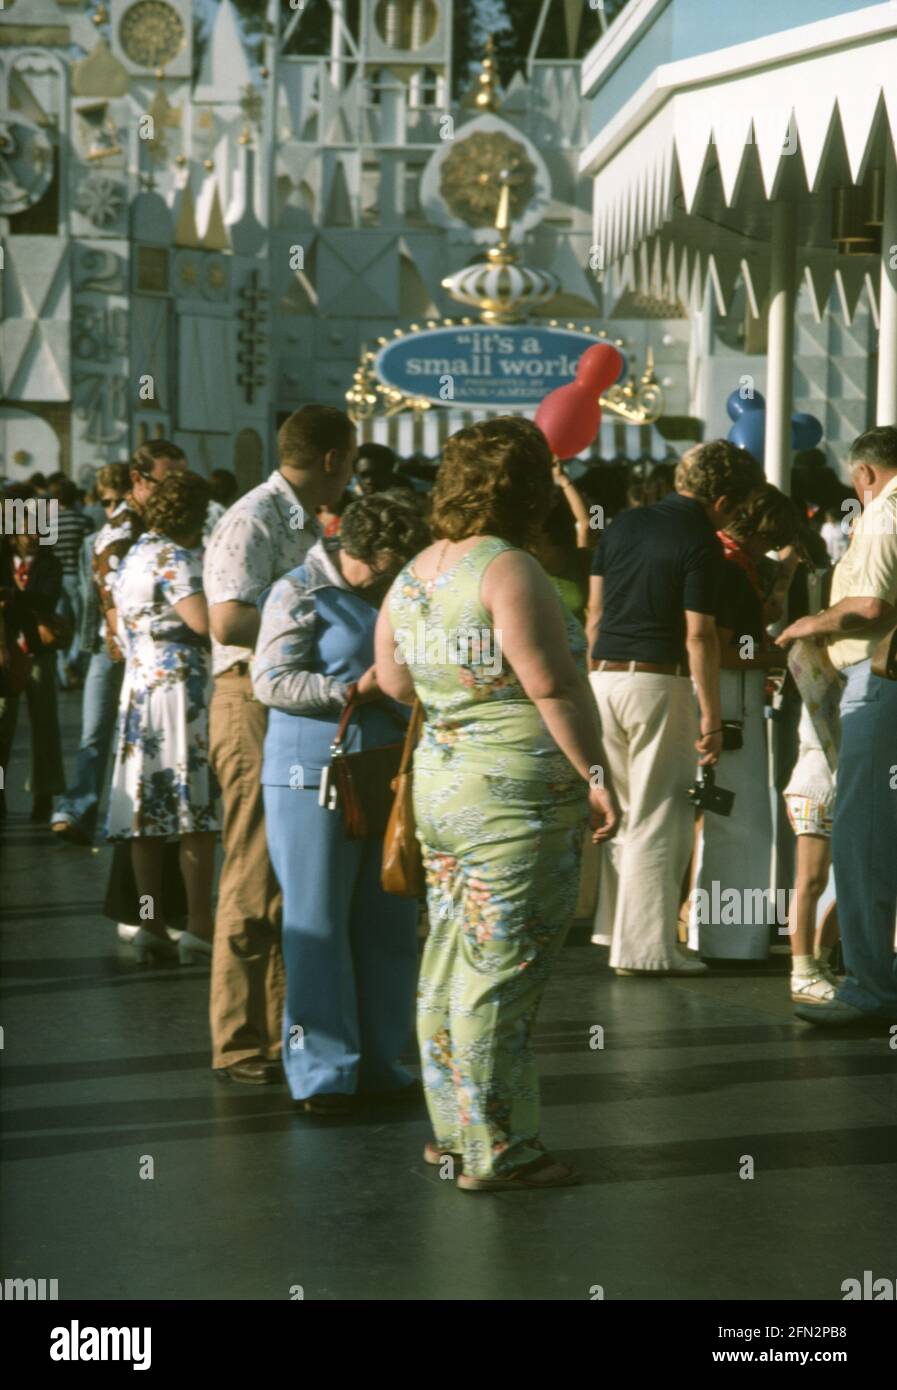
x,y
653,646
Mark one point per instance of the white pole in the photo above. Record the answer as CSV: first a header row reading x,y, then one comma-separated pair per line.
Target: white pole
x,y
336,45
780,346
886,408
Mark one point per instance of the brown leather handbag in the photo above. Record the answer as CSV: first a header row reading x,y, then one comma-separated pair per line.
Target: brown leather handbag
x,y
884,658
403,865
362,782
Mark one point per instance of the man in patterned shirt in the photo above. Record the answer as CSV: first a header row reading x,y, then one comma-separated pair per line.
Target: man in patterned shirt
x,y
263,536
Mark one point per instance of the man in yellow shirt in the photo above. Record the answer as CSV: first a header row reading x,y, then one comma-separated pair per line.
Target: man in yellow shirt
x,y
864,835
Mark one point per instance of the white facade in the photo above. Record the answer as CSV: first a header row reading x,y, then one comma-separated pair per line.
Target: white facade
x,y
194,260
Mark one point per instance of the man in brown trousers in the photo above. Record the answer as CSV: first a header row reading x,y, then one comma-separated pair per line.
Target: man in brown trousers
x,y
267,533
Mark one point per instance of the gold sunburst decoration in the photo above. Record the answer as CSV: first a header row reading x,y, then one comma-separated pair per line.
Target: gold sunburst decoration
x,y
471,177
152,33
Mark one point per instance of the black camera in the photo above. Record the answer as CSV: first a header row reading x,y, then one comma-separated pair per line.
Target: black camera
x,y
705,795
733,735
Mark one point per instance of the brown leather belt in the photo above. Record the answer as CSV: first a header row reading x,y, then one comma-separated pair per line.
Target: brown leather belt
x,y
653,668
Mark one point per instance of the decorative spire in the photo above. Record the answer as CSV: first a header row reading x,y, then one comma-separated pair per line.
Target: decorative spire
x,y
486,98
502,289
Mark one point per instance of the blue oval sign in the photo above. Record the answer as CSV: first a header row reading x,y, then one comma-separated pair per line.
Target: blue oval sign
x,y
482,366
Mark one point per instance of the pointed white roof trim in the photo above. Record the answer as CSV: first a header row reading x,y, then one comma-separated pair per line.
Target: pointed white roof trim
x,y
225,68
783,88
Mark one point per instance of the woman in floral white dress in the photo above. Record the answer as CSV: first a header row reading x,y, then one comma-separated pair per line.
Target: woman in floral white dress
x,y
162,786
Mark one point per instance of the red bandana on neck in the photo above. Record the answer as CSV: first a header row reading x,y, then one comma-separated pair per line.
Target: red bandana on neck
x,y
739,556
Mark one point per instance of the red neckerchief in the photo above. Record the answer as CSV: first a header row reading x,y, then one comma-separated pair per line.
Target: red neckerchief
x,y
739,556
20,572
22,569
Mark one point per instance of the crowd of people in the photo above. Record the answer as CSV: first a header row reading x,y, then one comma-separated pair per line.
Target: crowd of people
x,y
227,645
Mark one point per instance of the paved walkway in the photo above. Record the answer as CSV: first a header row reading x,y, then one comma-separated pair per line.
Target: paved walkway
x,y
105,1066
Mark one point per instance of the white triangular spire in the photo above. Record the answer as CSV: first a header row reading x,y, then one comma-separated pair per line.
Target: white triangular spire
x,y
225,68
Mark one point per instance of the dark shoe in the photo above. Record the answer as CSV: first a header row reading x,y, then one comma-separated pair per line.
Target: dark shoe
x,y
404,1095
72,832
328,1104
543,1173
41,809
254,1071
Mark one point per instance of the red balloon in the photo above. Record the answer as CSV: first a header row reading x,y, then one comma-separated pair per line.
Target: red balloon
x,y
599,367
569,418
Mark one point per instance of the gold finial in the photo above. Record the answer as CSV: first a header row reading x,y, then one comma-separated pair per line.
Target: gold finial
x,y
486,98
208,164
100,14
180,160
245,136
503,253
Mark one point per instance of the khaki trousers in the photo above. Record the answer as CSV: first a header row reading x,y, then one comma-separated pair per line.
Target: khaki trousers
x,y
247,989
649,724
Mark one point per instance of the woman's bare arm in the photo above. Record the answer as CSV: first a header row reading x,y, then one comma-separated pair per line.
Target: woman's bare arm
x,y
193,612
393,676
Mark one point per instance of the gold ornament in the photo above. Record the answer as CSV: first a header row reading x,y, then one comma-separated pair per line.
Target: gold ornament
x,y
486,98
152,33
471,177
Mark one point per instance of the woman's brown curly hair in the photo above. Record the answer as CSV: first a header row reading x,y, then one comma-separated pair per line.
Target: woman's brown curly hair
x,y
494,480
177,507
769,516
379,526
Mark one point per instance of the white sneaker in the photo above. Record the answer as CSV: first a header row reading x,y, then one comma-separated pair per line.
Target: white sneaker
x,y
816,988
126,933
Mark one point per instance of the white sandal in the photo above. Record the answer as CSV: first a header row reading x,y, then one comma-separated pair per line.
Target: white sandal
x,y
812,989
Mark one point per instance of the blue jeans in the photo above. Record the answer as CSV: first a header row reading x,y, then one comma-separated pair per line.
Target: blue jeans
x,y
99,713
70,604
864,840
350,952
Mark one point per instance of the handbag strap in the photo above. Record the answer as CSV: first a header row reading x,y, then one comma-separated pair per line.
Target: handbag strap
x,y
349,708
411,737
352,706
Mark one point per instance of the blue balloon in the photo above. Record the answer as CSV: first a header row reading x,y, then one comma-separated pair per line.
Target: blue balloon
x,y
749,433
738,405
806,431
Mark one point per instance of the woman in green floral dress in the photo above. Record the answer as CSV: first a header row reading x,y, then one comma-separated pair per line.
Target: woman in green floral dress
x,y
506,772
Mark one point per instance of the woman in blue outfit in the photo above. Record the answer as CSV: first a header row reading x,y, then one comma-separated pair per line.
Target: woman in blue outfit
x,y
350,949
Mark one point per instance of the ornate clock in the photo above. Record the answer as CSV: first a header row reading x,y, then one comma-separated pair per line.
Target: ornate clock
x,y
152,33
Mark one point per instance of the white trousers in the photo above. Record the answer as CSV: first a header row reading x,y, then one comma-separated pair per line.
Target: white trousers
x,y
649,724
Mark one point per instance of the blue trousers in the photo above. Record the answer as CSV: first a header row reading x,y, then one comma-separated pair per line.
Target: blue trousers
x,y
864,840
99,712
350,952
71,604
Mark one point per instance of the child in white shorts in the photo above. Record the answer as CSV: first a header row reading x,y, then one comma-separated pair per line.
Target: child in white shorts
x,y
810,804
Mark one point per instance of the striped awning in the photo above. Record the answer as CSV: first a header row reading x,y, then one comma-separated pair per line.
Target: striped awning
x,y
426,433
685,169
